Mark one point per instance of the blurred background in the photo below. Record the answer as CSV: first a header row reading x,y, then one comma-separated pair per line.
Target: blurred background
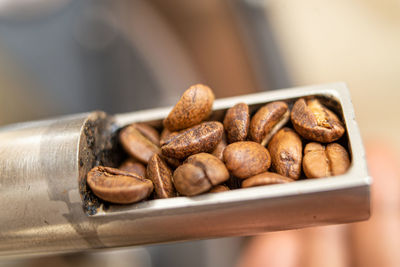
x,y
66,56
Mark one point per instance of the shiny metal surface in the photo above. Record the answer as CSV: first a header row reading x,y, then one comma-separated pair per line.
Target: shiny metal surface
x,y
42,176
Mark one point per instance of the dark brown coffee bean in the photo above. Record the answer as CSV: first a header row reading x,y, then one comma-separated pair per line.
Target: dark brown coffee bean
x,y
320,161
246,158
118,186
285,148
200,138
236,122
136,145
314,121
266,178
148,132
161,176
268,120
194,106
214,168
132,165
190,180
219,150
219,188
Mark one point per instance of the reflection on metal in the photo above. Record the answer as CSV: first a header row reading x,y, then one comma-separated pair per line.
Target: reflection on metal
x,y
42,175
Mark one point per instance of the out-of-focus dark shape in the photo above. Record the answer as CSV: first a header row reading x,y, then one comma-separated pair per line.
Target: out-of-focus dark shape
x,y
118,56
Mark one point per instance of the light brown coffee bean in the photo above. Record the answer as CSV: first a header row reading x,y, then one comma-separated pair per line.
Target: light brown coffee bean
x,y
118,186
285,148
148,131
214,173
132,165
314,121
219,150
320,161
136,145
200,138
219,188
194,106
190,180
266,178
161,176
268,120
236,122
246,158
214,168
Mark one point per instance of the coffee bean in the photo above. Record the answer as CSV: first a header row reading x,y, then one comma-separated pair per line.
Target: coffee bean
x,y
200,138
219,188
136,145
219,150
266,178
131,165
286,153
214,168
190,180
118,186
148,132
314,121
268,120
199,173
236,122
320,161
194,106
161,176
246,158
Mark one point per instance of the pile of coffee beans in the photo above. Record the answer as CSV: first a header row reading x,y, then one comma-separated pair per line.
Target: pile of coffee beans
x,y
192,156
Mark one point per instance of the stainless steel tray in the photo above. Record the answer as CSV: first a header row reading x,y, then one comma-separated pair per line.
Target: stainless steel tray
x,y
45,207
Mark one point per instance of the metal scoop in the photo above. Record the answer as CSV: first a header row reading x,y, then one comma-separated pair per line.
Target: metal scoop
x,y
46,208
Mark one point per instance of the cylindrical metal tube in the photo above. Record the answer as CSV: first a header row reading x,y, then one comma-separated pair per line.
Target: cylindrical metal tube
x,y
45,206
41,207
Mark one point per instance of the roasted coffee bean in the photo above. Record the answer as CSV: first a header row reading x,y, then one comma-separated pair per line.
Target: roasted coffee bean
x,y
236,122
266,178
118,186
320,161
132,165
246,158
314,121
214,168
268,120
136,145
189,180
219,150
219,188
194,106
161,176
148,132
285,148
200,138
